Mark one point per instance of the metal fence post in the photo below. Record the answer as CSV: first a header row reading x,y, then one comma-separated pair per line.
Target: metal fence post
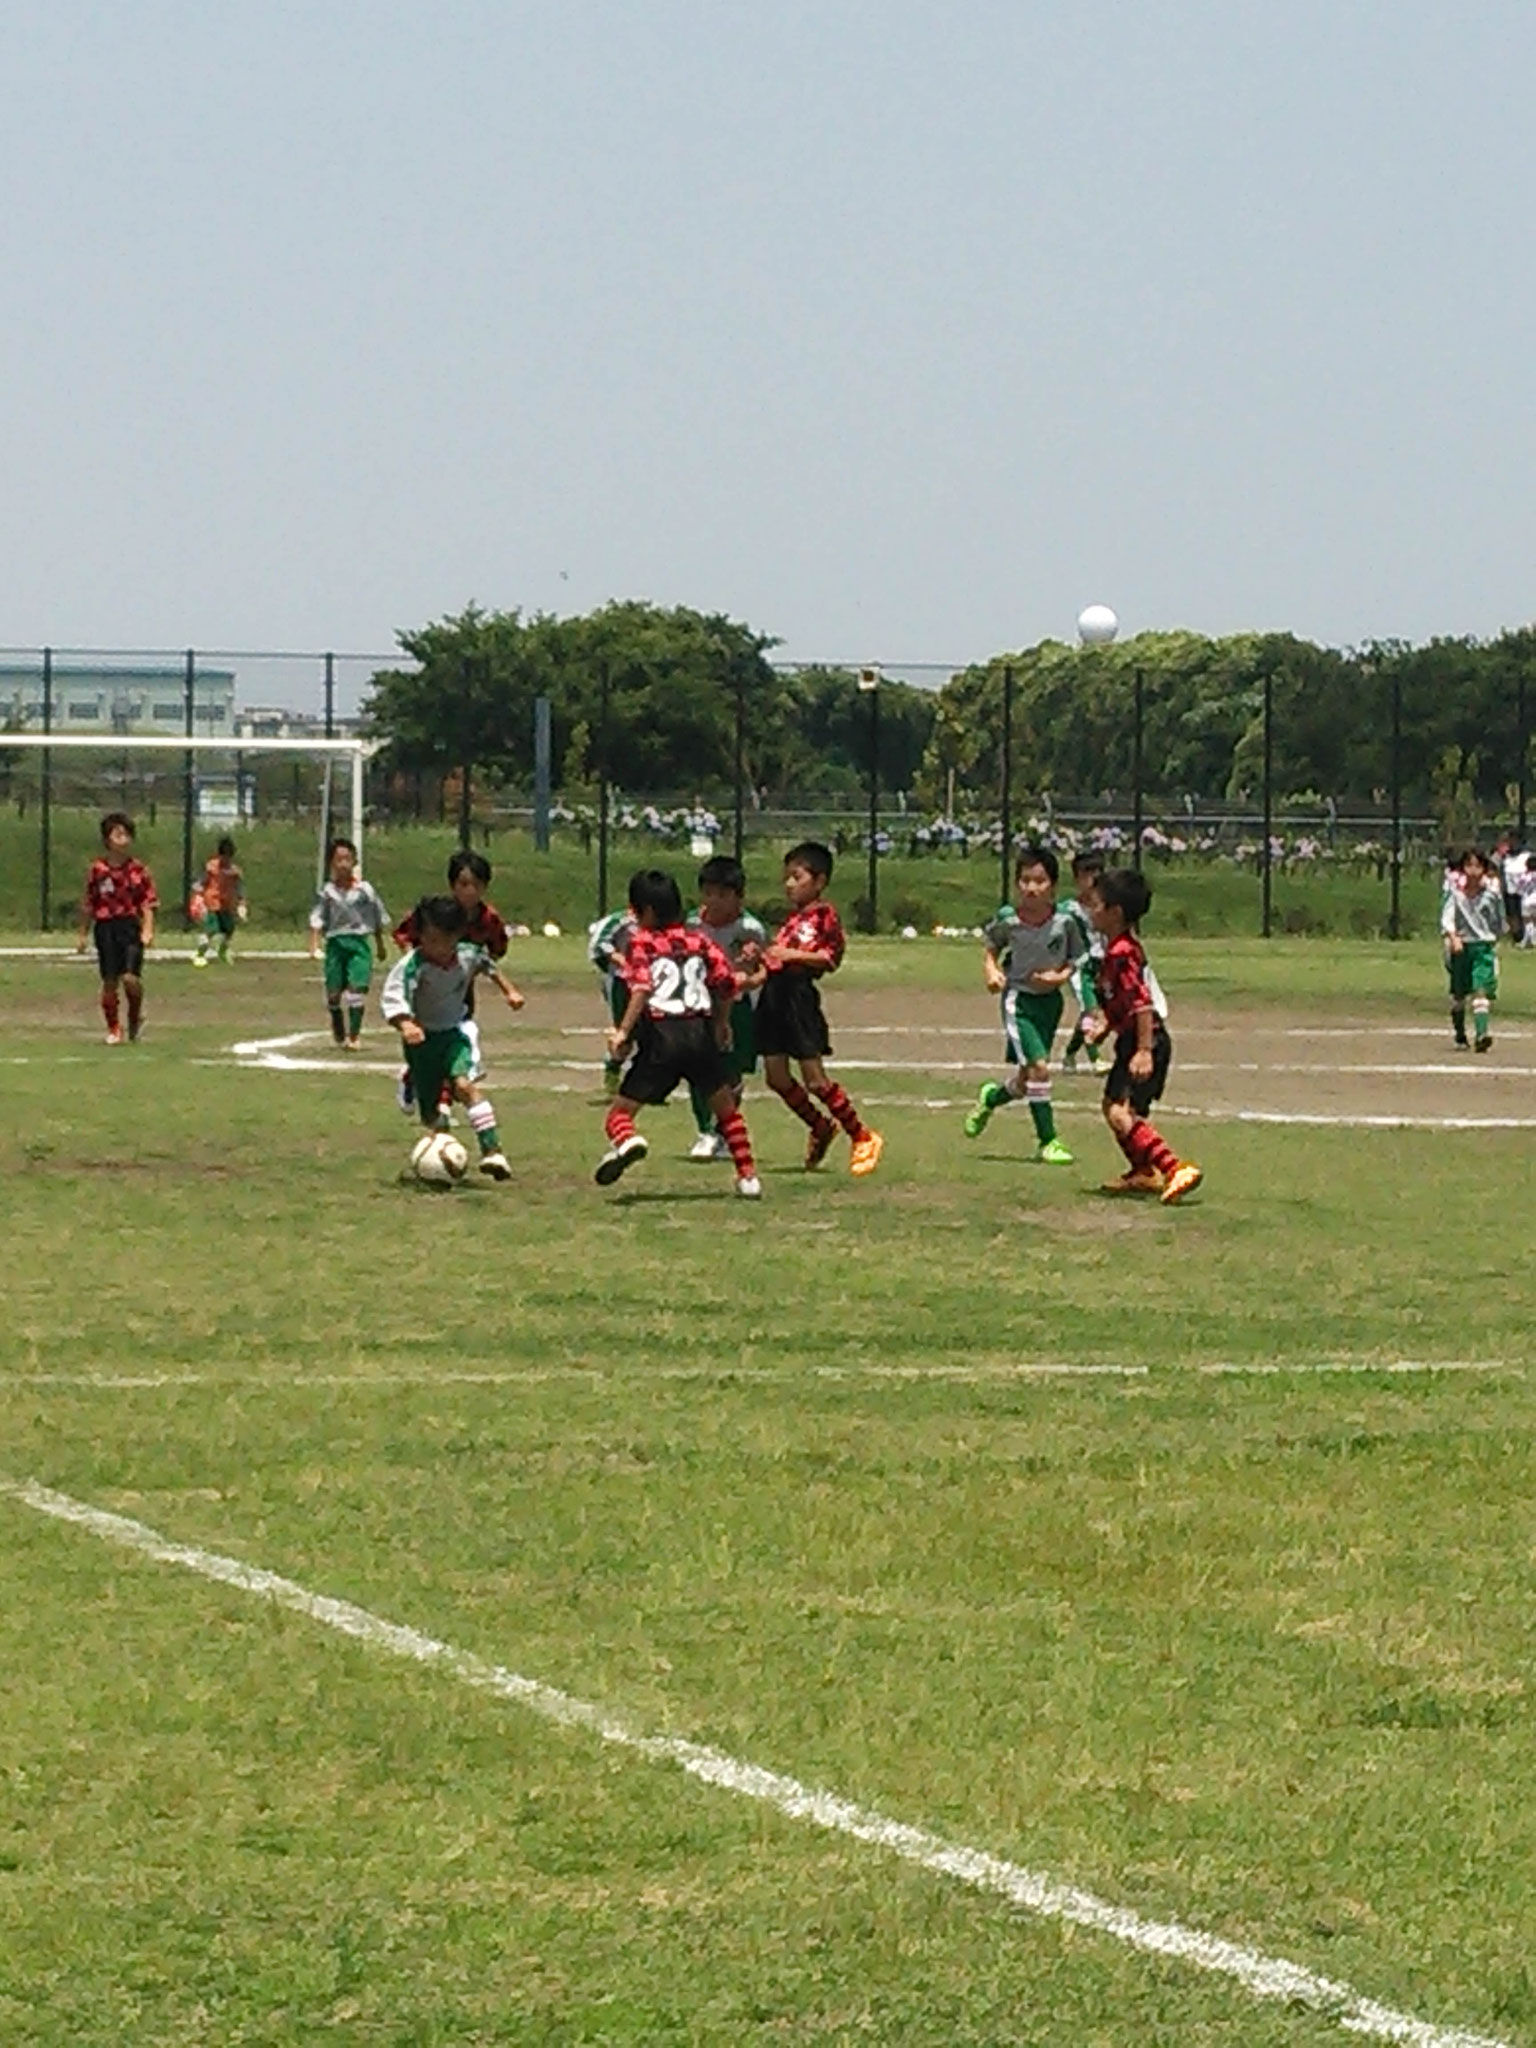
x,y
1394,921
45,821
1006,851
189,788
330,696
541,774
1269,768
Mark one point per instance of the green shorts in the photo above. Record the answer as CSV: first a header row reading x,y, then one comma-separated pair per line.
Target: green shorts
x,y
1474,971
221,921
348,963
1029,1025
442,1056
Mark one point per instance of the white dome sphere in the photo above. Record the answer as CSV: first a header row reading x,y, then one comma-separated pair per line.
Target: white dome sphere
x,y
1096,625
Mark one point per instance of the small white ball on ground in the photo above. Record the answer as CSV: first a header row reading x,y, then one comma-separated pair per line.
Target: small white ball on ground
x,y
1096,625
551,931
909,931
439,1159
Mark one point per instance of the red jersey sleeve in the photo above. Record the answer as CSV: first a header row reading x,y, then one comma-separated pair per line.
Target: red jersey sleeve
x,y
815,929
488,929
407,931
1122,982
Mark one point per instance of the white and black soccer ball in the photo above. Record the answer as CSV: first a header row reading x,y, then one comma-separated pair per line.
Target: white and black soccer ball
x,y
438,1159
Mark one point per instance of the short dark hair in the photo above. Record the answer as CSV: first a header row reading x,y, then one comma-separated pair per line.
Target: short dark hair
x,y
116,818
225,848
443,914
811,855
653,889
1127,890
467,862
339,841
1473,853
722,872
1033,856
1087,863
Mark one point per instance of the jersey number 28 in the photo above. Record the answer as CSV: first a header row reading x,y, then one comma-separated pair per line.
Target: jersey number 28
x,y
680,988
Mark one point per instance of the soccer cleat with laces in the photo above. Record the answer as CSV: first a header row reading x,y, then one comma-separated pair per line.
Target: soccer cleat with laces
x,y
981,1115
496,1164
866,1153
1140,1180
199,959
705,1146
1053,1153
819,1144
1183,1180
749,1187
618,1159
115,1034
1483,1045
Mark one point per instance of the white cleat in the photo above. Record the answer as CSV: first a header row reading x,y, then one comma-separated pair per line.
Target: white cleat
x,y
704,1146
750,1188
496,1165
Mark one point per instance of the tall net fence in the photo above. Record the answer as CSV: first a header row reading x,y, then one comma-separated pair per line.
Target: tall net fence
x,y
919,847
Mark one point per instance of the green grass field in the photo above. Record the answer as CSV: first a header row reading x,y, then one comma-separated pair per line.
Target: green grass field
x,y
1233,1631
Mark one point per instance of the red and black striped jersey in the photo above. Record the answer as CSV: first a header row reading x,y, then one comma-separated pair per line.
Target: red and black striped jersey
x,y
121,889
816,928
1121,980
680,969
485,929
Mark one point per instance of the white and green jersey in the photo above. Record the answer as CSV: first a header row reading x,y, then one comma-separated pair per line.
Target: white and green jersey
x,y
608,940
1093,939
1024,950
356,912
437,997
1479,918
740,940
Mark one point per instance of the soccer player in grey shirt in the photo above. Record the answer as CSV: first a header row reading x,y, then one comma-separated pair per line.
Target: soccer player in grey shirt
x,y
1032,949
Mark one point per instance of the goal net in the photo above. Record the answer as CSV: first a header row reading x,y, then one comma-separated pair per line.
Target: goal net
x,y
280,799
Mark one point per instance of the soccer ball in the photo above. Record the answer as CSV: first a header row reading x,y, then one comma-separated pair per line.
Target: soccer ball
x,y
439,1159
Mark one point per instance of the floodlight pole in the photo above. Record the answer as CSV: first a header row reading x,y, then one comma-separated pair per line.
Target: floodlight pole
x,y
189,787
45,823
869,685
602,788
330,696
1136,756
1267,863
1007,791
1394,921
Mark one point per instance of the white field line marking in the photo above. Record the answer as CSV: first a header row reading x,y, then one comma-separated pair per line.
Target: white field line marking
x,y
535,1375
1030,1891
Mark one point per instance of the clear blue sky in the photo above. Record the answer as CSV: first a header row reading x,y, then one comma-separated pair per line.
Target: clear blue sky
x,y
899,330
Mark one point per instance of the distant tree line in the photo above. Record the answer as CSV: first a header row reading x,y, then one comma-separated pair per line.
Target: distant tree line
x,y
673,677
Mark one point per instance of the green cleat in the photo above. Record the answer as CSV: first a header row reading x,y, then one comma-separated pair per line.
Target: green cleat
x,y
981,1115
1054,1153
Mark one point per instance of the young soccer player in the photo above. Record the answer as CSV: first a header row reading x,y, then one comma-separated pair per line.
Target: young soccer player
x,y
1143,1048
469,876
1471,924
221,893
348,913
1032,951
676,1026
791,1024
426,998
1528,904
741,937
1086,869
607,940
118,910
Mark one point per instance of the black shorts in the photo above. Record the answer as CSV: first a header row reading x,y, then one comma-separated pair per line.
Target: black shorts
x,y
1118,1084
790,1020
119,947
1512,915
668,1051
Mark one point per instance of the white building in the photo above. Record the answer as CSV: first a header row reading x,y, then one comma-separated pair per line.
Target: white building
x,y
92,697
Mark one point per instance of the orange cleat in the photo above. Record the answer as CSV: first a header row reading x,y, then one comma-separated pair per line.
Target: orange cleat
x,y
1139,1181
866,1153
819,1144
1183,1180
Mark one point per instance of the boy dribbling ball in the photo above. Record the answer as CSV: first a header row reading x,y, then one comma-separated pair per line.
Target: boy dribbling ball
x,y
1121,898
348,914
426,998
118,911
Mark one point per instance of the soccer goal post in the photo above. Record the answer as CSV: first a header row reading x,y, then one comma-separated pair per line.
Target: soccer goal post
x,y
180,790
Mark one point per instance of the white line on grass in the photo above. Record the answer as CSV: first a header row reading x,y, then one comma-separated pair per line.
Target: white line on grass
x,y
1031,1891
975,1370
